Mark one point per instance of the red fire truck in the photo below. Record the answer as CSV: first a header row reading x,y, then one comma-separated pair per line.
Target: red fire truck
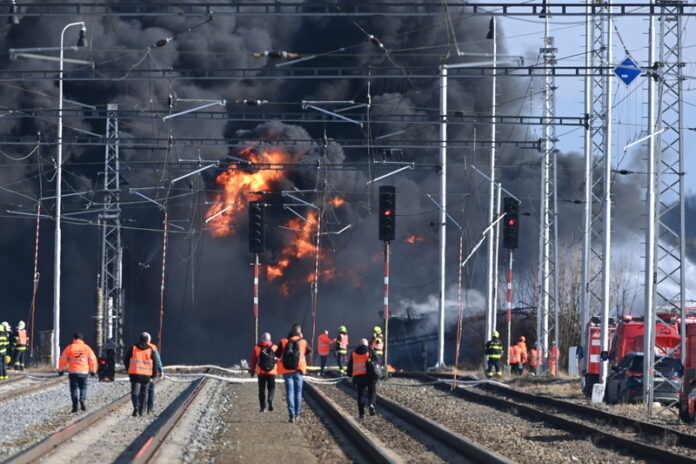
x,y
687,395
630,337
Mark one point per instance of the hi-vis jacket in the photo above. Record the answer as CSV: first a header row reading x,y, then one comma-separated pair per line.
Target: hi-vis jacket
x,y
79,358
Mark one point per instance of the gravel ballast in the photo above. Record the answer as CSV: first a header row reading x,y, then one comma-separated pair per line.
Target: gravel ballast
x,y
514,437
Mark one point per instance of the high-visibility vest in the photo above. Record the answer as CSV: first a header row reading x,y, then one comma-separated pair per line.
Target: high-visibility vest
x,y
360,363
324,345
302,365
342,343
534,357
21,338
141,362
514,354
259,371
554,354
522,347
79,358
377,344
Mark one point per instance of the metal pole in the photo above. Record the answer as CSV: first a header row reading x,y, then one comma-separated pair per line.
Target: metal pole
x,y
496,241
386,307
35,280
165,243
491,275
443,216
55,348
315,284
508,300
606,235
256,297
649,335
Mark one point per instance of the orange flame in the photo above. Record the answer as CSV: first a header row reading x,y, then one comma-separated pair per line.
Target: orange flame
x,y
229,204
337,201
414,239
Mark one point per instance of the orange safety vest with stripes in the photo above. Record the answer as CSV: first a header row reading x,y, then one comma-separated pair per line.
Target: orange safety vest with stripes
x,y
79,358
324,345
534,357
554,354
21,337
342,343
514,354
360,363
302,366
141,362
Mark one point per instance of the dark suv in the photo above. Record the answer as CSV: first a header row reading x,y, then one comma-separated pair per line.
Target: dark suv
x,y
625,382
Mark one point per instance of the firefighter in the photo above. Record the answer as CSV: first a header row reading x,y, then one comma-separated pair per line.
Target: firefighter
x,y
10,344
554,356
3,352
533,359
263,364
494,351
20,339
141,367
293,352
341,343
377,344
358,370
80,361
324,343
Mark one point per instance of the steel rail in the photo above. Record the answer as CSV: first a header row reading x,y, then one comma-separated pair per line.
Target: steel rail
x,y
348,426
600,437
318,73
455,118
457,443
337,8
150,441
12,394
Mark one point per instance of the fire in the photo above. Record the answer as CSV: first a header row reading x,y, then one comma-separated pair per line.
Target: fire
x,y
337,201
231,203
414,239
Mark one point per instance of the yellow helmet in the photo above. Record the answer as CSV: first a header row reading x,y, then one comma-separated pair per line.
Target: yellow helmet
x,y
342,329
495,334
377,329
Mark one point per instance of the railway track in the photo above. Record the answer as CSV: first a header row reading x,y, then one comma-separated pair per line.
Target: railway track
x,y
378,447
17,391
638,438
79,437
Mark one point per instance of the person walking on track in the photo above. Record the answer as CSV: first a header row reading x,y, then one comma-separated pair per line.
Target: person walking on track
x,y
494,351
364,377
159,367
324,343
293,352
141,367
80,361
342,341
263,364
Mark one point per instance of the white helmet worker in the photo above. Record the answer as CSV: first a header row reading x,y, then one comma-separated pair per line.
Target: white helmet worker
x,y
20,325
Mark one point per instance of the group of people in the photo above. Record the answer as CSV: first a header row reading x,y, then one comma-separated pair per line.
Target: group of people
x,y
142,362
289,358
13,347
518,356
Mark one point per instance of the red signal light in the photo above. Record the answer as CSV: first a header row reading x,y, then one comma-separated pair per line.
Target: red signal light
x,y
387,212
511,222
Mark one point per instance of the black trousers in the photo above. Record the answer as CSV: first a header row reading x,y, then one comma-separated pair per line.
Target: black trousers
x,y
266,384
322,360
493,367
139,390
3,368
366,391
342,362
19,354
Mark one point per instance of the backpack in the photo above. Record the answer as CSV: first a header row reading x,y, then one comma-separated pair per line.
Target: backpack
x,y
291,355
374,370
267,359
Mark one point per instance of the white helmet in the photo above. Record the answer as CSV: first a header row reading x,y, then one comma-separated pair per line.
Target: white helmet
x,y
20,325
3,325
7,326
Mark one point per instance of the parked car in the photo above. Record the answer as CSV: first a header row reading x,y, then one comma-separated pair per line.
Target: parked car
x,y
625,382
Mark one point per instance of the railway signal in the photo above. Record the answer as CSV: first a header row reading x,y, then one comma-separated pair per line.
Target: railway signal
x,y
511,223
256,223
387,213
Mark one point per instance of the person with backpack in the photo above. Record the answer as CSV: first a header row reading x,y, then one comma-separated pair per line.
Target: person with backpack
x,y
363,369
263,364
293,352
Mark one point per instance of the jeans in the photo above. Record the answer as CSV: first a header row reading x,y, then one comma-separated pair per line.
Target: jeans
x,y
293,392
139,390
150,396
78,384
266,383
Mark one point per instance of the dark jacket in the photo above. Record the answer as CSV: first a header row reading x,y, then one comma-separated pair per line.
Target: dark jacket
x,y
362,349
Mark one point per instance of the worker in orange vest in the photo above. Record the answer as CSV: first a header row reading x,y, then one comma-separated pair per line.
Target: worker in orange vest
x,y
80,361
141,367
342,341
514,359
263,363
524,356
533,359
293,352
358,370
554,356
159,367
324,343
20,346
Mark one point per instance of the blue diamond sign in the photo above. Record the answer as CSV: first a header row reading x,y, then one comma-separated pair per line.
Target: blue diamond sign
x,y
627,71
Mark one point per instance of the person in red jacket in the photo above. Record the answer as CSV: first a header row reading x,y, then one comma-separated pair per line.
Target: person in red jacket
x,y
324,343
80,361
263,364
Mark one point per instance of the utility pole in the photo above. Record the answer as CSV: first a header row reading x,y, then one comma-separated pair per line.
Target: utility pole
x,y
668,232
492,274
111,275
548,295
